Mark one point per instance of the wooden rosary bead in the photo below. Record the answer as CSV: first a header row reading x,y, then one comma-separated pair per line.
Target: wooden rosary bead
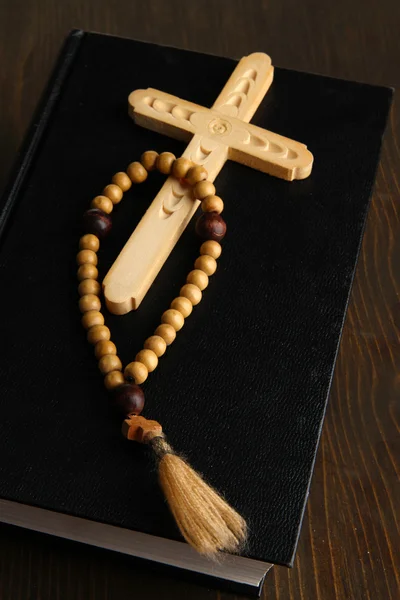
x,y
198,278
113,192
137,172
129,399
164,162
97,222
212,204
102,203
167,332
89,286
136,371
148,358
180,167
196,174
192,293
203,189
86,257
206,263
89,242
173,317
149,159
104,347
157,344
89,302
211,226
92,318
183,305
211,248
109,362
87,272
122,180
97,333
113,379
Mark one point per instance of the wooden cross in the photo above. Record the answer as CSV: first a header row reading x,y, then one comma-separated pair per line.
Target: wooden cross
x,y
218,134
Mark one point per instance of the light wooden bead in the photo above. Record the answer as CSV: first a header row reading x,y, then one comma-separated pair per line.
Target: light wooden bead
x,y
157,344
122,180
206,263
212,248
196,174
183,305
192,293
173,317
86,257
87,272
113,192
108,363
97,333
203,189
89,286
89,242
136,371
180,167
149,159
102,203
167,332
92,318
198,278
113,379
137,172
148,358
164,162
89,302
212,204
104,347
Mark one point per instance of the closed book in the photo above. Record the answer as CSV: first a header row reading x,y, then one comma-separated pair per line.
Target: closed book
x,y
243,389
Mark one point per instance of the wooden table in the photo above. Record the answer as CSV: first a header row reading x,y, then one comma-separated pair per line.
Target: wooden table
x,y
350,534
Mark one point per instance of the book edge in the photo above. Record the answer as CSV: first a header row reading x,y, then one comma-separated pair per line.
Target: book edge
x,y
389,89
389,98
242,572
38,125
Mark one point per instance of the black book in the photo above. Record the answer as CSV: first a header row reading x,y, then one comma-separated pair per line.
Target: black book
x,y
242,391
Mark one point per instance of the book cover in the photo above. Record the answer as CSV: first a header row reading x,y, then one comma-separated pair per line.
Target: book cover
x,y
243,389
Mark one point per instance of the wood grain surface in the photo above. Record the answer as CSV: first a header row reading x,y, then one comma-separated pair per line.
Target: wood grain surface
x,y
349,545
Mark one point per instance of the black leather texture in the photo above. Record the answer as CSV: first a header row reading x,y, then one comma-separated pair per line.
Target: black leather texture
x,y
242,391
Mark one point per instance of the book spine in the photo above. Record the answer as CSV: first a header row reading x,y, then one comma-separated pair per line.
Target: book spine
x,y
40,120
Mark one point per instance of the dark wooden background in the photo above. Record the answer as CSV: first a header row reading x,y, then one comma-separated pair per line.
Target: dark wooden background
x,y
349,545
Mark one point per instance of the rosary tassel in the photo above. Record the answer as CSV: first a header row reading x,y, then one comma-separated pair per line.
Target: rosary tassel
x,y
205,519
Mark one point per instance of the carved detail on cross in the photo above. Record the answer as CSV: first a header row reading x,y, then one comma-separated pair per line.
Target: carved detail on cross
x,y
214,135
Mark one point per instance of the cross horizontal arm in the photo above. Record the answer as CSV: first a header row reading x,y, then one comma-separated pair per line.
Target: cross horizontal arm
x,y
248,144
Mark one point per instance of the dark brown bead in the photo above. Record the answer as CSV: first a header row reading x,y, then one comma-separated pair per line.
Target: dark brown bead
x,y
97,222
128,398
211,226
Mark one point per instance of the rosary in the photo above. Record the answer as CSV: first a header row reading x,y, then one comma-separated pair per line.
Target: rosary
x,y
205,519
